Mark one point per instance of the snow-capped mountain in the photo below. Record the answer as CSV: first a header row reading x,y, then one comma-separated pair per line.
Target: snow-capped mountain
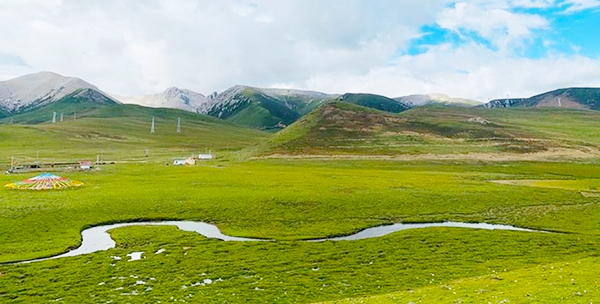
x,y
429,99
171,98
37,89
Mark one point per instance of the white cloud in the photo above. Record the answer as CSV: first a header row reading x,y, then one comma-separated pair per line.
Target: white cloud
x,y
532,3
142,47
579,5
133,47
501,27
471,71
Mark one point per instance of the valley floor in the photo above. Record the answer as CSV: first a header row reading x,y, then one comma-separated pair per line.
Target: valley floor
x,y
291,200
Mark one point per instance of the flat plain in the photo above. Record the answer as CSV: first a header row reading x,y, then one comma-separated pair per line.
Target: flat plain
x,y
259,186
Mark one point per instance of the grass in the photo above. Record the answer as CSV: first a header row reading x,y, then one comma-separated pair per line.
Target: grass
x,y
254,200
123,134
284,272
565,282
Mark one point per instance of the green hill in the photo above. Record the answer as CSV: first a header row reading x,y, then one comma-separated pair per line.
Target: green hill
x,y
343,130
375,101
265,108
278,108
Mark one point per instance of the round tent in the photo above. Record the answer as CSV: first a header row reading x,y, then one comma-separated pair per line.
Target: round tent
x,y
46,181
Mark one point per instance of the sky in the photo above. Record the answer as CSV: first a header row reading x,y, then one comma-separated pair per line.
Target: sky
x,y
477,49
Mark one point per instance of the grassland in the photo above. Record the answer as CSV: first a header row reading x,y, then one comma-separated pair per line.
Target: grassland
x,y
255,199
289,200
120,133
564,282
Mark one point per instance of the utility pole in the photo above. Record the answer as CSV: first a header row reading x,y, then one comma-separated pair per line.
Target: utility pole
x,y
178,124
152,128
53,117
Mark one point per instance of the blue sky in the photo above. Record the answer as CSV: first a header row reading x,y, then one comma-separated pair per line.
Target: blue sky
x,y
477,49
568,33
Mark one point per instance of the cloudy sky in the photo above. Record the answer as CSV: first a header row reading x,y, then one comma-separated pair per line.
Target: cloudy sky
x,y
477,49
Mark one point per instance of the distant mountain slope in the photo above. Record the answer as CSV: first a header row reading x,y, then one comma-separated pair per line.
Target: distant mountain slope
x,y
273,108
375,102
80,103
263,108
173,98
340,129
436,99
35,90
574,98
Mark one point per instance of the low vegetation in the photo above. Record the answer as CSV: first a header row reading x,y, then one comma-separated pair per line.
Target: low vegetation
x,y
341,129
291,200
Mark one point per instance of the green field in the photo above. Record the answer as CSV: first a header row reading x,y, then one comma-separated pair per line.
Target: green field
x,y
288,200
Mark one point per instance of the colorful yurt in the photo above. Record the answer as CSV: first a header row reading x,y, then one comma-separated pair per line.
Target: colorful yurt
x,y
46,181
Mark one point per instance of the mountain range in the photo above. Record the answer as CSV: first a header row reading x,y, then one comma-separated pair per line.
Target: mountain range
x,y
573,98
261,108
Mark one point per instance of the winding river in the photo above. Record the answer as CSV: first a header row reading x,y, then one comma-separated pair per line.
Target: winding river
x,y
98,239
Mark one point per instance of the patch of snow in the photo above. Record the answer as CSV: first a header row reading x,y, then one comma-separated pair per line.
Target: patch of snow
x,y
174,98
208,281
135,256
160,251
478,120
116,258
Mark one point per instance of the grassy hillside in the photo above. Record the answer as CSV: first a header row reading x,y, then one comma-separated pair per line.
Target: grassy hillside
x,y
274,109
255,108
119,132
345,129
377,102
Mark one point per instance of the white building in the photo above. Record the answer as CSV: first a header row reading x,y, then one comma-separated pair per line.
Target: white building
x,y
205,156
179,162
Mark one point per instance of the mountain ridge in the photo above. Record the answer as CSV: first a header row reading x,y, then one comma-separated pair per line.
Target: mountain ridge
x,y
35,90
574,98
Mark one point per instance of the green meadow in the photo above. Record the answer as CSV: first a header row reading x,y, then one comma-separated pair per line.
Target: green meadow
x,y
288,201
